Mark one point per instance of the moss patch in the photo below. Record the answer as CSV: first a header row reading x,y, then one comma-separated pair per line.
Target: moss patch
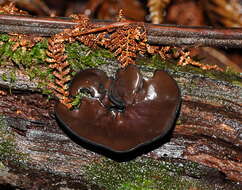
x,y
29,60
22,57
82,57
7,145
143,174
157,63
32,62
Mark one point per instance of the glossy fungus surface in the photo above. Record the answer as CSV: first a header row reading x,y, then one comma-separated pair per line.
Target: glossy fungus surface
x,y
122,114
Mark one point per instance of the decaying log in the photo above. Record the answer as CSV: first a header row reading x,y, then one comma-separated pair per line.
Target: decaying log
x,y
208,129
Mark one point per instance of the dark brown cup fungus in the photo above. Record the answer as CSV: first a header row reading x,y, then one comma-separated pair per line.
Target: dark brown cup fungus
x,y
123,115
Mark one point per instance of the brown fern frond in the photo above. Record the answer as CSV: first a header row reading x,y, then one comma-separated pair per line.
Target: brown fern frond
x,y
83,25
185,59
157,8
166,52
102,40
57,58
126,42
183,56
23,40
60,67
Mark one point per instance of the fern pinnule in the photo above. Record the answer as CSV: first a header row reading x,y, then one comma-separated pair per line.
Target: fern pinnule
x,y
126,42
60,67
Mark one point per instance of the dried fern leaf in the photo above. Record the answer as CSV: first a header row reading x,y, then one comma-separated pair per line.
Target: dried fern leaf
x,y
126,42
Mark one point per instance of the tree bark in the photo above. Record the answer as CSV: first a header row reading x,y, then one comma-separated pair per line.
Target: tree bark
x,y
208,130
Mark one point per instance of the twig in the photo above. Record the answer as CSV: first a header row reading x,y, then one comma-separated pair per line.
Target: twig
x,y
195,36
157,34
34,25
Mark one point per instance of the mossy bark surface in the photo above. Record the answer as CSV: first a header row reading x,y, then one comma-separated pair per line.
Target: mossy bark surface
x,y
208,132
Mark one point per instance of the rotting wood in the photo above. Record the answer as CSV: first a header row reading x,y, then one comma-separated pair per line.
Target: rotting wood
x,y
208,129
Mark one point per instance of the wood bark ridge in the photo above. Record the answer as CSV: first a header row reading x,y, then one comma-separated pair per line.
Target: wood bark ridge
x,y
156,34
208,130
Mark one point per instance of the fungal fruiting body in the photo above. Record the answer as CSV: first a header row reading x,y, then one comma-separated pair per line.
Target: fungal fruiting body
x,y
122,114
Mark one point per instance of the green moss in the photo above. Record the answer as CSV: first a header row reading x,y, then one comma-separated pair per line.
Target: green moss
x,y
157,63
145,174
77,99
30,57
12,76
6,141
4,38
4,77
5,51
82,57
178,122
32,60
8,150
237,83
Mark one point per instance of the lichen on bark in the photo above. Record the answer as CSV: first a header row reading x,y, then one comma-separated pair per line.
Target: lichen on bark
x,y
8,150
